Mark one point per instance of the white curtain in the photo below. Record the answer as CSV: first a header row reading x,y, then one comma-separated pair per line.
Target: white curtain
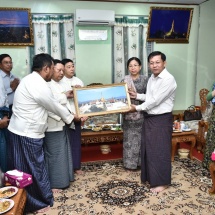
x,y
53,34
129,41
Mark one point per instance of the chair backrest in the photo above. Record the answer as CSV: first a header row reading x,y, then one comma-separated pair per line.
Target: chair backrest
x,y
202,94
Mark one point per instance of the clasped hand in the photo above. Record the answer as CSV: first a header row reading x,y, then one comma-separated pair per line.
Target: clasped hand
x,y
14,84
132,94
69,94
4,122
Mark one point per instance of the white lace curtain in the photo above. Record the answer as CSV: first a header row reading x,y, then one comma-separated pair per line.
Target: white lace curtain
x,y
129,41
53,34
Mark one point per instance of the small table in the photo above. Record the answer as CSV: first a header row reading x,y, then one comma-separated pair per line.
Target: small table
x,y
212,172
178,137
19,203
88,137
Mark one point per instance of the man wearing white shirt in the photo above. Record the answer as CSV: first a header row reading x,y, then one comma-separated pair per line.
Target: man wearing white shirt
x,y
69,81
57,148
32,101
10,81
157,129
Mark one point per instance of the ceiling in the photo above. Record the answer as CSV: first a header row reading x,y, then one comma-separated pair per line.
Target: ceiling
x,y
179,2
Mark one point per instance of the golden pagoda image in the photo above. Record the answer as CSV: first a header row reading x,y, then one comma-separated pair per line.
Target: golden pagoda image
x,y
102,98
169,33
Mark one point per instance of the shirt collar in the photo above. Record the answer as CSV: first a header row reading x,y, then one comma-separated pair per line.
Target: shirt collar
x,y
3,74
161,75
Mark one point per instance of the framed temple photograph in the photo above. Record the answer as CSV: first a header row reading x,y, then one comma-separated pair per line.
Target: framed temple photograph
x,y
169,24
101,99
16,27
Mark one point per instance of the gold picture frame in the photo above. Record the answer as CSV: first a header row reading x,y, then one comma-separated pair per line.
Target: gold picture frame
x,y
101,99
169,24
16,27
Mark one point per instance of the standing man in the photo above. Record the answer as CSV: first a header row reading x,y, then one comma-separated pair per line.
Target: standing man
x,y
33,99
9,80
4,111
68,82
157,127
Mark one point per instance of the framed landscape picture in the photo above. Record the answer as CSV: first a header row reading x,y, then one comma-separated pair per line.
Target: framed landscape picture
x,y
169,24
101,99
16,27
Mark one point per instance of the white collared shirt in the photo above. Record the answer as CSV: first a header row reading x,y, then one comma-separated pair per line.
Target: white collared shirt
x,y
6,80
160,94
67,83
3,94
55,123
32,101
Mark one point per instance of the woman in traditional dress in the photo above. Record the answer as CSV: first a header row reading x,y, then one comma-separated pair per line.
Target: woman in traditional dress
x,y
210,143
132,122
57,149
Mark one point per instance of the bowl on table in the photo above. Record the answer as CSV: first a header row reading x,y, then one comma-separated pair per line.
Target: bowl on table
x,y
105,149
106,127
183,153
97,128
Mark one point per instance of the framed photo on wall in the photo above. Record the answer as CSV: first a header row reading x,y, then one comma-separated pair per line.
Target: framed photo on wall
x,y
101,99
16,27
169,24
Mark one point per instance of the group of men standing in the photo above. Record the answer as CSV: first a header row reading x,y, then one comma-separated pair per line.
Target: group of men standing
x,y
28,123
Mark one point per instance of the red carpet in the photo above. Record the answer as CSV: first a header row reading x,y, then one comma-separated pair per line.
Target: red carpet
x,y
92,152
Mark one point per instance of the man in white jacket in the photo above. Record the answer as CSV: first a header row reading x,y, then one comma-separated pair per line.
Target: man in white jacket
x,y
32,101
57,148
68,82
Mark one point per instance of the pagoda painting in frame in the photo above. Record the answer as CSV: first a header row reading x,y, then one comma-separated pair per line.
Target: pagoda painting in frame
x,y
169,24
101,99
16,27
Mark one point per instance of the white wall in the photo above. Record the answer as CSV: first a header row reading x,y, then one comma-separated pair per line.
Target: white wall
x,y
206,46
183,60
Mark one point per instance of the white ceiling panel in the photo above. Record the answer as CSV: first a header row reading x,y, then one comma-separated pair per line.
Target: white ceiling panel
x,y
181,2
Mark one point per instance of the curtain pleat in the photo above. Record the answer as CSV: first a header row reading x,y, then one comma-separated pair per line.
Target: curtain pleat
x,y
53,34
129,41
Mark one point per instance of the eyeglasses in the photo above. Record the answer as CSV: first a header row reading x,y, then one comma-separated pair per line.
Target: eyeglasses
x,y
154,63
130,66
7,63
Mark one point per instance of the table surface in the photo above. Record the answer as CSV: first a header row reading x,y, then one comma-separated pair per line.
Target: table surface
x,y
85,132
183,133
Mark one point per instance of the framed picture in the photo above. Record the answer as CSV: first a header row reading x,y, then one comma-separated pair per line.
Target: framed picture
x,y
16,27
169,24
101,99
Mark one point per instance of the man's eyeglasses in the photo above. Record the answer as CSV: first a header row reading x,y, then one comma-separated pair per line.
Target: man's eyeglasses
x,y
7,63
154,63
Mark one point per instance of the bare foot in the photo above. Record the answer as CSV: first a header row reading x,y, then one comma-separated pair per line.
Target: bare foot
x,y
79,172
56,190
43,210
158,189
